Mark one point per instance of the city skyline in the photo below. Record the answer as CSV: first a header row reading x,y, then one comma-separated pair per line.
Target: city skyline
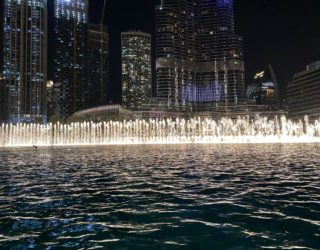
x,y
159,124
205,48
269,28
199,58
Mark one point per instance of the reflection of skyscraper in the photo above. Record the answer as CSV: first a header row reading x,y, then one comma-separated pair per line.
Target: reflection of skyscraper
x,y
264,90
24,60
199,57
98,75
136,69
70,73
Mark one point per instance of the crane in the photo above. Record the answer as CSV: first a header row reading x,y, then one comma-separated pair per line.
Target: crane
x,y
103,11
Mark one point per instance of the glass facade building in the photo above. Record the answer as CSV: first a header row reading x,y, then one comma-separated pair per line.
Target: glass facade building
x,y
303,93
70,59
2,109
199,56
264,90
98,66
136,69
24,60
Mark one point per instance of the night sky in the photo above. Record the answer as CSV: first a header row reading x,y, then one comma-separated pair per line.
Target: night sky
x,y
283,33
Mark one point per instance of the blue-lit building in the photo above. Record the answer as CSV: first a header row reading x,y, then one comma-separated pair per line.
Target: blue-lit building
x,y
24,60
200,59
71,56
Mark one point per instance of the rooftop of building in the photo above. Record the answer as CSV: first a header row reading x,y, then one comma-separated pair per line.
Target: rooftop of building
x,y
314,65
158,108
309,68
136,32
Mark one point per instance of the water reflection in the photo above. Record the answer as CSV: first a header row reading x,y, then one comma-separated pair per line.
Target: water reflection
x,y
161,197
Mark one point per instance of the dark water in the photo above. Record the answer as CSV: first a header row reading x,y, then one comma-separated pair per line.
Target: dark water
x,y
161,197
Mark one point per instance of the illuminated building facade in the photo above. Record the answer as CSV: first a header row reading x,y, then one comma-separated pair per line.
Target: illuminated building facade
x,y
2,103
24,60
303,93
199,56
98,66
70,60
264,90
136,69
50,98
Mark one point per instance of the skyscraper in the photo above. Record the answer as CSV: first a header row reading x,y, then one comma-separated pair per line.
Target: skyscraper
x,y
136,69
70,60
24,60
2,110
199,57
98,66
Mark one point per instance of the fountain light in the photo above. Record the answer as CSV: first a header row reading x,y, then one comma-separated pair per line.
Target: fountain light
x,y
161,131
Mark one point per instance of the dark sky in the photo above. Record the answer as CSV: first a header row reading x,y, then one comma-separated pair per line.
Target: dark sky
x,y
283,33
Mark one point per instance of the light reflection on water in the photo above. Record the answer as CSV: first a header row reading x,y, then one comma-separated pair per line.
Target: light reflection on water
x,y
161,197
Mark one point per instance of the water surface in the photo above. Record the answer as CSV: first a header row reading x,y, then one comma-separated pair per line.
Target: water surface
x,y
161,197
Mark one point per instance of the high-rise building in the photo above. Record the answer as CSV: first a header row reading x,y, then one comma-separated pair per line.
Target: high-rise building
x,y
98,66
24,60
199,56
1,34
136,69
70,60
2,104
303,93
264,90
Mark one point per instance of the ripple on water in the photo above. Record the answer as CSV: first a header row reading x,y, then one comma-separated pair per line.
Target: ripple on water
x,y
161,197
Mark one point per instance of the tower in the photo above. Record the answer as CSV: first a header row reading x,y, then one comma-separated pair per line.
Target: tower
x,y
199,56
70,60
24,60
136,69
2,101
98,66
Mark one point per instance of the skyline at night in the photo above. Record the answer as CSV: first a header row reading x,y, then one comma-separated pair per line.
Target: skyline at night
x,y
199,57
159,124
207,54
281,33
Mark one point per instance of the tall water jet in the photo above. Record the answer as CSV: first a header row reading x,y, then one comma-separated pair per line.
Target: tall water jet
x,y
165,131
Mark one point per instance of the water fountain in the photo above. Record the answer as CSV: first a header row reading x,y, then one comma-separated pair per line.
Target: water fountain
x,y
161,131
